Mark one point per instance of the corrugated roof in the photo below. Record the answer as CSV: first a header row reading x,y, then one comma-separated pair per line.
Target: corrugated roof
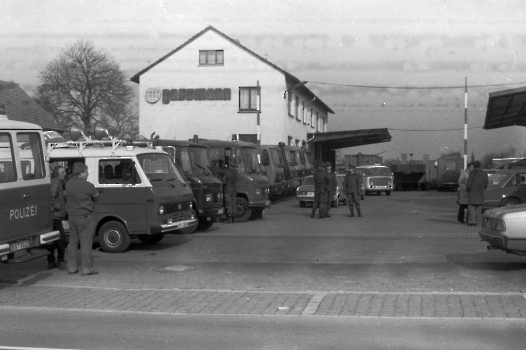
x,y
21,107
350,138
294,80
506,108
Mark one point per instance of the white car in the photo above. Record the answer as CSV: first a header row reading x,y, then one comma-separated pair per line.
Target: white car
x,y
504,228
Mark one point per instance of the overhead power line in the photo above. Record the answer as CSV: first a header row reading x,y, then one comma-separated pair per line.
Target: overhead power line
x,y
414,87
456,129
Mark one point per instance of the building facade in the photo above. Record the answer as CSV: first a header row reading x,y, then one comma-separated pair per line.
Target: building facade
x,y
214,87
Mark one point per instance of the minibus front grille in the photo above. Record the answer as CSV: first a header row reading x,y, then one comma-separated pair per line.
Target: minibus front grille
x,y
176,207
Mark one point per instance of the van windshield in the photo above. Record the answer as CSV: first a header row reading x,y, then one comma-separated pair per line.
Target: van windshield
x,y
159,167
247,160
276,157
380,171
199,160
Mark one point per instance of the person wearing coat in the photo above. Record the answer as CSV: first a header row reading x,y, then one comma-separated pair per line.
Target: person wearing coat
x,y
352,185
331,189
463,194
321,181
475,186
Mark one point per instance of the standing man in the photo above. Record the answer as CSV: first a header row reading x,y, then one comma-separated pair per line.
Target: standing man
x,y
321,181
352,185
462,194
476,185
331,188
229,181
58,177
79,206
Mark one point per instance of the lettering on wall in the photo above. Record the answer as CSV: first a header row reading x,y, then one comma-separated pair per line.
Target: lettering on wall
x,y
173,95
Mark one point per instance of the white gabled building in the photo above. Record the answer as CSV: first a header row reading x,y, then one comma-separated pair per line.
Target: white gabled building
x,y
208,87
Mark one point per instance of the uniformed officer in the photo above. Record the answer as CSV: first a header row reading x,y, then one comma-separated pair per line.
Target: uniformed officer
x,y
331,188
352,185
321,181
229,181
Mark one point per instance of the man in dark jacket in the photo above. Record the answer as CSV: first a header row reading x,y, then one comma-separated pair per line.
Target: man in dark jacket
x,y
321,181
58,177
352,185
331,188
475,187
229,181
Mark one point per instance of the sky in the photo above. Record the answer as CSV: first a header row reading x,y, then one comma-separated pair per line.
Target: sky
x,y
396,64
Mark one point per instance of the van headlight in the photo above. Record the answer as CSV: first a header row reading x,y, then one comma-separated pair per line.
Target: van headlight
x,y
161,210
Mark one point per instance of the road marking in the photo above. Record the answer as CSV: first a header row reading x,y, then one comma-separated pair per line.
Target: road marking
x,y
313,304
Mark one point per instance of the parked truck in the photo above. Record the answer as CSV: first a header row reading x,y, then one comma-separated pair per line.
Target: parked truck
x,y
252,185
448,171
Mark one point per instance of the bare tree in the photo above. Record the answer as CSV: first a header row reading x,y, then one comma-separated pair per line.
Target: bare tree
x,y
86,86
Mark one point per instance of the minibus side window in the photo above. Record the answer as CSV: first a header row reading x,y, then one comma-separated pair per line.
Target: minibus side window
x,y
7,159
31,155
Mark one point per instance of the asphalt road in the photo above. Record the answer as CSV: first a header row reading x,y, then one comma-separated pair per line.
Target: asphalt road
x,y
403,276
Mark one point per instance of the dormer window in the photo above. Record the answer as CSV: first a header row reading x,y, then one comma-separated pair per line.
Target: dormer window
x,y
211,57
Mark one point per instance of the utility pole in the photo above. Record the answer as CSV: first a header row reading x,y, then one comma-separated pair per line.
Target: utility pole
x,y
466,124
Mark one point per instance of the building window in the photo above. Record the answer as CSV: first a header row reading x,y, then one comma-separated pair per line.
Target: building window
x,y
248,99
211,57
317,122
311,123
297,105
291,105
289,141
304,114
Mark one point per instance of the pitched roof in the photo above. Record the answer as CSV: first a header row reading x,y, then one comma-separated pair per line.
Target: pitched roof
x,y
294,80
19,106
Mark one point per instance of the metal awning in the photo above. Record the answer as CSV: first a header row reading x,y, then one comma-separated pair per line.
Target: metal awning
x,y
506,108
350,138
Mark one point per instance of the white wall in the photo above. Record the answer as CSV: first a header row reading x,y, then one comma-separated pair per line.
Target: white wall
x,y
218,119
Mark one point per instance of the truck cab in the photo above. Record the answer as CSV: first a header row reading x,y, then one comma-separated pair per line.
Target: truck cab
x,y
273,166
26,203
252,184
192,159
142,193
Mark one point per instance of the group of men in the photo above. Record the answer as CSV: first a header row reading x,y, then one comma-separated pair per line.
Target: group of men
x,y
73,200
325,187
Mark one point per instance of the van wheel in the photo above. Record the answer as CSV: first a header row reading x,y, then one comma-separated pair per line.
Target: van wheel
x,y
204,224
148,239
302,204
387,193
243,211
113,237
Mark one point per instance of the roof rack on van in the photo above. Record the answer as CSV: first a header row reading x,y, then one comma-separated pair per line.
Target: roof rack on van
x,y
76,133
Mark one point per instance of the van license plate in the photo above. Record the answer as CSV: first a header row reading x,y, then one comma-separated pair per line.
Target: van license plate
x,y
20,245
184,224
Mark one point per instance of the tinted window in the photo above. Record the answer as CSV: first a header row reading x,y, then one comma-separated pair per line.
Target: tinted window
x,y
309,180
7,159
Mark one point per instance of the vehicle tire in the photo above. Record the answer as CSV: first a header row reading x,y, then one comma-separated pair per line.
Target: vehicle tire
x,y
509,201
190,229
257,213
113,237
362,197
204,224
302,204
243,211
387,193
149,239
